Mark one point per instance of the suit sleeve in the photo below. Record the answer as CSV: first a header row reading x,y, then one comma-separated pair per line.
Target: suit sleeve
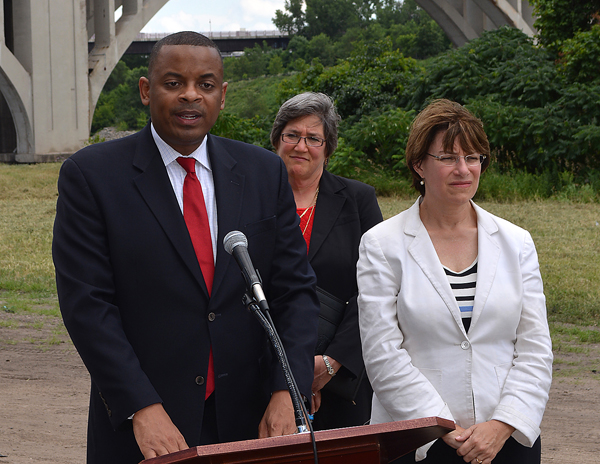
x,y
293,300
346,347
86,290
525,393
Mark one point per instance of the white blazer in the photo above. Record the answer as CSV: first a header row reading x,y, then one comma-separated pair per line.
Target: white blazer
x,y
418,357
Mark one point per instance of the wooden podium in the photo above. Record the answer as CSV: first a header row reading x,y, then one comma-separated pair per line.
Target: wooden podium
x,y
367,444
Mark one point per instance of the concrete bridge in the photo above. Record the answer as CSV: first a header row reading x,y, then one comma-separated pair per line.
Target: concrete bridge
x,y
229,42
464,20
50,80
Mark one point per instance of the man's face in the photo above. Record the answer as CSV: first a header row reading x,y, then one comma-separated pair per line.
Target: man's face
x,y
185,93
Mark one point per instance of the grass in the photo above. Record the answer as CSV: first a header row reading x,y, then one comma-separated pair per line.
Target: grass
x,y
567,237
573,333
27,202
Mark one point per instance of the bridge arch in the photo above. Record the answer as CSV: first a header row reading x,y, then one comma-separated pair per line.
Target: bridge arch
x,y
14,87
464,20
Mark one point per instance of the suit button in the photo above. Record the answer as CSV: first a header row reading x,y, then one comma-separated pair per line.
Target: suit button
x,y
211,317
200,380
465,345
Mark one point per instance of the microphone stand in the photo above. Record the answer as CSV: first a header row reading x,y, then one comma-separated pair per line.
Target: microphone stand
x,y
300,411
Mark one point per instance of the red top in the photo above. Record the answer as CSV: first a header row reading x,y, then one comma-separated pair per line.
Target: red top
x,y
307,218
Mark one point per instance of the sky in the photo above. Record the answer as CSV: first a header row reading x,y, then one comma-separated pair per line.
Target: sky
x,y
215,15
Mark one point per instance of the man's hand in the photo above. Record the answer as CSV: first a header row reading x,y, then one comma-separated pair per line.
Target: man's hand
x,y
155,433
279,417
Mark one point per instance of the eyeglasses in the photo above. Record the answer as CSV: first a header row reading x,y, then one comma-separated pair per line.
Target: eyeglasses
x,y
451,160
309,141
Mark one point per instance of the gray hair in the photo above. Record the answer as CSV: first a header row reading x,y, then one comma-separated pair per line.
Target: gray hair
x,y
306,104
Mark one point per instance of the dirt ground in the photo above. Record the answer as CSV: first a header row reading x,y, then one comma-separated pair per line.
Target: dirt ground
x,y
44,392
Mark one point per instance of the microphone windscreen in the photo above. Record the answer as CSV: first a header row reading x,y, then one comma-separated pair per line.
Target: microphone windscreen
x,y
233,239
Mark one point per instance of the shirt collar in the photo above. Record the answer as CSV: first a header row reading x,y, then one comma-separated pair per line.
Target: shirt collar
x,y
169,154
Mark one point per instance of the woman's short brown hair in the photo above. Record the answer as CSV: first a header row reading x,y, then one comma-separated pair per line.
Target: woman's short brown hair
x,y
453,118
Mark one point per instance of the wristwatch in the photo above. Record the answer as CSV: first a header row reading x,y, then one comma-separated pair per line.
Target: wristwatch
x,y
328,365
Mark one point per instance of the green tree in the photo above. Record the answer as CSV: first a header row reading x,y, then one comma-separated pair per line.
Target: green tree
x,y
375,76
535,120
254,130
330,17
381,136
119,104
253,63
291,22
390,12
580,60
297,48
321,47
275,65
420,40
559,20
503,62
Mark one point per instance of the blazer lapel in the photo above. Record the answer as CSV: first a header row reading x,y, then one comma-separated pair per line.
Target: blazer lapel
x,y
229,191
156,189
487,261
423,252
329,206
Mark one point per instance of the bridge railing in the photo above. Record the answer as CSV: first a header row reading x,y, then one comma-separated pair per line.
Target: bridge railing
x,y
154,36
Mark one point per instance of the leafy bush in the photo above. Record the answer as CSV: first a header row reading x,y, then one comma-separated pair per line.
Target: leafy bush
x,y
375,76
559,20
382,137
255,130
503,62
581,56
121,105
536,119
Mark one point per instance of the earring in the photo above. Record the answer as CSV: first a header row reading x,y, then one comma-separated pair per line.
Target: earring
x,y
422,182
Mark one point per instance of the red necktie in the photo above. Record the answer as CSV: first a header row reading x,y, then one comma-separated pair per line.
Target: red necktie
x,y
196,220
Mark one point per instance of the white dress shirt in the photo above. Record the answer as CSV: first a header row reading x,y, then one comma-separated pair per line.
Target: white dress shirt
x,y
204,173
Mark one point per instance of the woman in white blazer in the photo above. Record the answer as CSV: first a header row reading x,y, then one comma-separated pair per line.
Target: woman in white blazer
x,y
451,306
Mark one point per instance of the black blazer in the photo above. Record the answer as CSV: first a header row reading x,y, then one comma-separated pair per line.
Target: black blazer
x,y
135,304
345,210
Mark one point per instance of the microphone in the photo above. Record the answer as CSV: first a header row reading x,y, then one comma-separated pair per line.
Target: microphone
x,y
236,244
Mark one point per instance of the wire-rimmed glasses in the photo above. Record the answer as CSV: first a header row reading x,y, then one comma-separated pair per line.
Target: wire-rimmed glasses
x,y
451,160
310,141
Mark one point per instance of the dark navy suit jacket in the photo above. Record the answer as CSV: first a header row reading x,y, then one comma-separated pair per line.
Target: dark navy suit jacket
x,y
136,306
345,210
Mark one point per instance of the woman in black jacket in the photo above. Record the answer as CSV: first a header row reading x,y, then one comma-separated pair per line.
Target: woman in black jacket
x,y
334,214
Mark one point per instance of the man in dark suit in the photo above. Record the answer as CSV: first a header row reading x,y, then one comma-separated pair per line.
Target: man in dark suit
x,y
149,325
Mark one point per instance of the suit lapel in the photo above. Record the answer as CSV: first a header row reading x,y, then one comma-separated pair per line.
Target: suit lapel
x,y
156,189
329,206
229,189
487,261
423,252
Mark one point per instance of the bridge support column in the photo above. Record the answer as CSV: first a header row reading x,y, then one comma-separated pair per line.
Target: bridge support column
x,y
48,82
45,78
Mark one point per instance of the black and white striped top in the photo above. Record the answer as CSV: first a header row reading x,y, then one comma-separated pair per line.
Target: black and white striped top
x,y
463,286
